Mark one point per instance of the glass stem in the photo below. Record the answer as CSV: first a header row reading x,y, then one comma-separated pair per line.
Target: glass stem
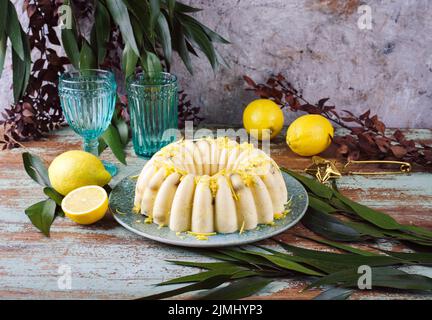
x,y
91,146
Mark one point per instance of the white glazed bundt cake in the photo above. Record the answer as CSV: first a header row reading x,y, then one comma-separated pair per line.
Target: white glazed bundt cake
x,y
210,185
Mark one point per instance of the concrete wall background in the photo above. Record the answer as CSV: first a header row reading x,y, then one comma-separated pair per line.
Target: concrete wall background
x,y
319,47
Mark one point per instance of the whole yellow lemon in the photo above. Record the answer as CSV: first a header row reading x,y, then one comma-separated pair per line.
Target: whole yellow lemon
x,y
263,114
309,135
74,169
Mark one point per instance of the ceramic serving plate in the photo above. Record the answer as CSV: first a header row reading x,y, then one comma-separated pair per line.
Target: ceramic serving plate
x,y
121,204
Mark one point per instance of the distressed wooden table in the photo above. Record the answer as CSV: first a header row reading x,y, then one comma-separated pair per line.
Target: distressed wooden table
x,y
108,261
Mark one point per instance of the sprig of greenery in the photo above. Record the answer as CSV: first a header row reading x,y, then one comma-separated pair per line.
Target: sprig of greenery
x,y
42,214
361,222
247,271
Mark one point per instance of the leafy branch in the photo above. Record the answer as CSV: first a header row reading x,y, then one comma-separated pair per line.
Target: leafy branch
x,y
367,136
125,36
246,271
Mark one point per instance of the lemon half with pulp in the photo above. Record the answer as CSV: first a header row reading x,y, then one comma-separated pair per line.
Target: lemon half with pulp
x,y
86,205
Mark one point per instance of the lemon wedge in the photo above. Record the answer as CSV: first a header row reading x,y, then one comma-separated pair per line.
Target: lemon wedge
x,y
86,205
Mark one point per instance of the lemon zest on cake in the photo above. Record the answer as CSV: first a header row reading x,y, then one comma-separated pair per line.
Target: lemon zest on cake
x,y
213,186
242,228
119,212
234,194
148,220
201,235
136,209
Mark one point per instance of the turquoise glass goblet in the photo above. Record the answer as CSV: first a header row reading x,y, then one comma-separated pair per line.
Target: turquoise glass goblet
x,y
87,98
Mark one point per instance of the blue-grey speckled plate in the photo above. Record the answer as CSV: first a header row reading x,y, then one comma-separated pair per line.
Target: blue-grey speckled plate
x,y
121,204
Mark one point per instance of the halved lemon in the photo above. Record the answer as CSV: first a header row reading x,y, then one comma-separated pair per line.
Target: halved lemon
x,y
86,205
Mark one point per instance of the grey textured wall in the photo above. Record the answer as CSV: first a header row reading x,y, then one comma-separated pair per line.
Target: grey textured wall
x,y
319,47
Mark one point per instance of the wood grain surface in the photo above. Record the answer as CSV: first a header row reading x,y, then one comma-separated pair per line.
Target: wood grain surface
x,y
109,262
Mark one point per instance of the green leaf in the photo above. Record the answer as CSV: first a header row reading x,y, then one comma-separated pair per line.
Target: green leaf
x,y
101,146
196,34
287,264
415,257
3,17
36,169
387,277
42,215
329,227
3,40
120,14
129,60
27,61
185,8
18,75
13,30
202,276
53,195
245,257
375,217
87,57
320,205
219,256
209,283
317,188
214,37
348,259
112,139
204,265
334,294
343,247
70,46
164,35
181,47
123,129
171,7
150,62
140,21
102,29
154,12
419,231
324,266
366,229
238,289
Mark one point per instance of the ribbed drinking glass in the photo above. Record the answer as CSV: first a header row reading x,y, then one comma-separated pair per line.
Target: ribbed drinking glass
x,y
153,103
88,99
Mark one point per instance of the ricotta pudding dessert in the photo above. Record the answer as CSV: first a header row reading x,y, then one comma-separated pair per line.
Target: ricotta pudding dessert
x,y
210,185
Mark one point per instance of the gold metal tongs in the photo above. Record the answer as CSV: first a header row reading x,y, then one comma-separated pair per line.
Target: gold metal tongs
x,y
324,169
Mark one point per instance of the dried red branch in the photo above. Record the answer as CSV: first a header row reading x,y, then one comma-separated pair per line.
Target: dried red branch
x,y
187,112
39,110
367,137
